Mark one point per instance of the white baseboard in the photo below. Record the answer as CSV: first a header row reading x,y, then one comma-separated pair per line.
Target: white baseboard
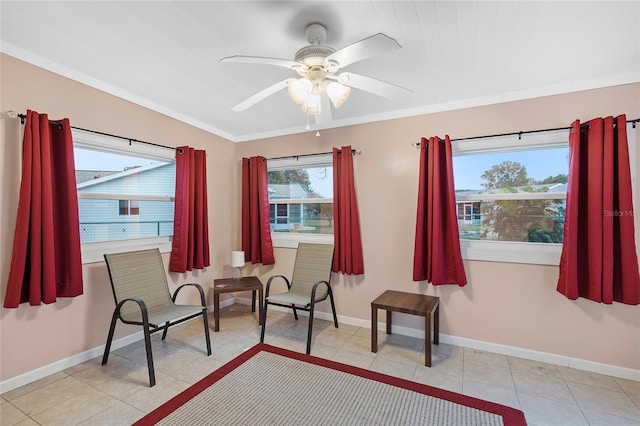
x,y
562,360
63,364
224,303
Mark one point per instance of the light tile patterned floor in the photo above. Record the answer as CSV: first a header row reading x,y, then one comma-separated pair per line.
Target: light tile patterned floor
x,y
118,393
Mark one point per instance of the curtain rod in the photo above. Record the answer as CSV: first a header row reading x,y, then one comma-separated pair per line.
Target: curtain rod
x,y
519,134
23,117
354,151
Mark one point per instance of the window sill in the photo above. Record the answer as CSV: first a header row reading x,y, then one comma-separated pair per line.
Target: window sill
x,y
94,252
511,252
490,251
291,239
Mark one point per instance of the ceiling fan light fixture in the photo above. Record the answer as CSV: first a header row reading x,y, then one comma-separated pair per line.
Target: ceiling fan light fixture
x,y
338,93
312,105
300,89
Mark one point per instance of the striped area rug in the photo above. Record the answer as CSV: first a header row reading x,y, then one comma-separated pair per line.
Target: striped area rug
x,y
267,385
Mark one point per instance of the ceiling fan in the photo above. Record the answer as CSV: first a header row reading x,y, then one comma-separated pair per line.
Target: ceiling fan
x,y
319,79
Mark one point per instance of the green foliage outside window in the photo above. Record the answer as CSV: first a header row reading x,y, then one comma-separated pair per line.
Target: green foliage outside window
x,y
536,220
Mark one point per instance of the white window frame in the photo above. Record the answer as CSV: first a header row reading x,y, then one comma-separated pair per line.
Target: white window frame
x,y
511,251
291,239
94,252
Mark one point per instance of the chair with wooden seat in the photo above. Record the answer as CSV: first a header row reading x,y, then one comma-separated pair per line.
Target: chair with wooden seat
x,y
310,284
141,294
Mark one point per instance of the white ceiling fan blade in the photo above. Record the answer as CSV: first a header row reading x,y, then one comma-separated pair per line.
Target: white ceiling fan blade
x,y
261,95
265,61
372,85
325,115
377,44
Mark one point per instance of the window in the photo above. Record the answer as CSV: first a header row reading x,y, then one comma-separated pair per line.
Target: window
x,y
129,207
511,197
301,199
468,212
125,194
279,214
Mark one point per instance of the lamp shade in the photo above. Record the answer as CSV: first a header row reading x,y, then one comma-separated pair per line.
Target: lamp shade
x,y
338,93
237,259
312,105
300,89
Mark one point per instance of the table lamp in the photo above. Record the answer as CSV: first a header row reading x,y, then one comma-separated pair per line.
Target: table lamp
x,y
237,261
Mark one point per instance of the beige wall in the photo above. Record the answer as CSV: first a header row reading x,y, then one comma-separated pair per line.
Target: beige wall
x,y
506,304
33,337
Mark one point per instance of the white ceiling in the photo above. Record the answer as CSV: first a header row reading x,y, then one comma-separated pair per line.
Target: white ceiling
x,y
165,55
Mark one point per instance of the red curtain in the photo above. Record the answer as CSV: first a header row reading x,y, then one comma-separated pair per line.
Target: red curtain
x,y
46,261
256,230
599,260
347,255
437,258
190,247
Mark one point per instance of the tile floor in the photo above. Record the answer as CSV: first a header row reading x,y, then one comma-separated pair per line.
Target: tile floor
x,y
118,393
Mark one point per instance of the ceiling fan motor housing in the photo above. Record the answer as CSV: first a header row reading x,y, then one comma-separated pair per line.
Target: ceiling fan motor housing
x,y
315,53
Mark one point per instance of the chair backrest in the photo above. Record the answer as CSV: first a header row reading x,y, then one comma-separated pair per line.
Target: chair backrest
x,y
313,263
138,274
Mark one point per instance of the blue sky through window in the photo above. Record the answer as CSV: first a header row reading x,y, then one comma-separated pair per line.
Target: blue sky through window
x,y
540,164
321,179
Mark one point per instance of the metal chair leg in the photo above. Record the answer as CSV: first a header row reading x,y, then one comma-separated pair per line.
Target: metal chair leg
x,y
311,308
205,320
147,344
264,321
333,307
166,328
107,347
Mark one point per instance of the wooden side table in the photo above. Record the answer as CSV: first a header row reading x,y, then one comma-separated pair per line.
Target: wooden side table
x,y
229,285
408,303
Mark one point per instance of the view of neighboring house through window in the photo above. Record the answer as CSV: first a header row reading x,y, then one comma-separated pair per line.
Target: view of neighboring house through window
x,y
301,196
124,195
511,196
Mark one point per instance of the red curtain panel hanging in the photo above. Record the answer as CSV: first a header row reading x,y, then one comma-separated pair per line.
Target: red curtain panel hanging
x,y
347,255
190,246
599,260
437,258
46,259
256,229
